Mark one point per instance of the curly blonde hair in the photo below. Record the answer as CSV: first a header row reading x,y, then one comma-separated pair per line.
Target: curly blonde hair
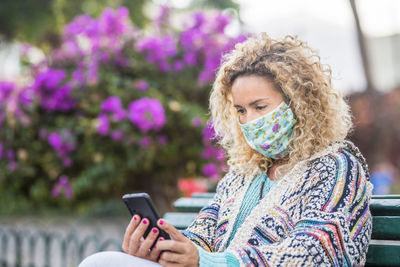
x,y
322,115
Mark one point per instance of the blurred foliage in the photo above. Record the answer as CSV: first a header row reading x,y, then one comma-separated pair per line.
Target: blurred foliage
x,y
40,22
111,110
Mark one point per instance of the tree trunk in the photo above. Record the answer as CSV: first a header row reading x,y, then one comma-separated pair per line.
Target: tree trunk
x,y
362,45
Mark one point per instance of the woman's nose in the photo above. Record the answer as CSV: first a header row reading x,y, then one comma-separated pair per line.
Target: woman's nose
x,y
249,117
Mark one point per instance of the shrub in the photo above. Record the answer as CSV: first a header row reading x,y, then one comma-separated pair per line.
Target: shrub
x,y
112,109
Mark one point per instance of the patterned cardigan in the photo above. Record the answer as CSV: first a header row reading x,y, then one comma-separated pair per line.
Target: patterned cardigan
x,y
317,215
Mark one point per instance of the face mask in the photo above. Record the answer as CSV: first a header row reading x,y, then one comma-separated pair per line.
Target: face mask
x,y
271,133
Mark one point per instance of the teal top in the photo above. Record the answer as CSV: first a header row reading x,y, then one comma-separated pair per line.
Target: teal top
x,y
250,200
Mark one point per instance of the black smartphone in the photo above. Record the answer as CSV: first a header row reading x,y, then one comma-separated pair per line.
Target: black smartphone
x,y
141,204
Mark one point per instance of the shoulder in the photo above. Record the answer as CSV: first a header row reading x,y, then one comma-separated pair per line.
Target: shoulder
x,y
342,162
339,157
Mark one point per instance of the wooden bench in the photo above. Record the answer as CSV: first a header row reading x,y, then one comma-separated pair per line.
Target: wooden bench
x,y
384,248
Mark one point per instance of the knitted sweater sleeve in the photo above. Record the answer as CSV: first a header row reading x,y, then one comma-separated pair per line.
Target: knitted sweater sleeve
x,y
334,225
202,231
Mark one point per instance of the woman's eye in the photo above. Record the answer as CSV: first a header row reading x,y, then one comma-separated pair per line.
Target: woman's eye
x,y
241,111
261,107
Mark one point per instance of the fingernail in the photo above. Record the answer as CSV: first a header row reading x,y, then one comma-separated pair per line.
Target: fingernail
x,y
155,246
155,230
134,217
161,239
144,221
161,222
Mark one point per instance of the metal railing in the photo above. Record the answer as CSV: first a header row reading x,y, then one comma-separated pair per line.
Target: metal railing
x,y
27,248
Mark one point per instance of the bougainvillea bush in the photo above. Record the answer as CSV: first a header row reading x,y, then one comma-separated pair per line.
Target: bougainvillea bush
x,y
113,109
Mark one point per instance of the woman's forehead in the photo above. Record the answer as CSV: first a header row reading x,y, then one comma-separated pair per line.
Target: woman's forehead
x,y
246,89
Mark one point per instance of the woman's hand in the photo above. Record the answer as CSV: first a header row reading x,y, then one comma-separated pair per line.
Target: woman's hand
x,y
134,243
179,251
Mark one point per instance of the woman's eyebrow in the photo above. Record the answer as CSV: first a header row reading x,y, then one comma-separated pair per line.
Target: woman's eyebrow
x,y
252,103
257,100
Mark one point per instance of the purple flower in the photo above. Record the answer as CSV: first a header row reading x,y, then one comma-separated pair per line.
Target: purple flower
x,y
221,21
119,115
145,141
12,165
55,191
67,162
142,85
55,140
5,90
162,140
63,180
208,133
114,23
196,122
158,50
10,155
162,17
63,144
117,135
178,65
147,114
81,24
210,170
62,186
54,94
43,133
93,72
190,58
26,96
78,76
111,104
104,124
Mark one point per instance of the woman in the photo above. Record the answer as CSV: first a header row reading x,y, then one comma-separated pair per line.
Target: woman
x,y
296,193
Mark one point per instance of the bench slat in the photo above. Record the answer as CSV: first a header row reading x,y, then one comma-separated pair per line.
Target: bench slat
x,y
203,195
180,220
378,206
187,204
382,207
383,255
386,227
385,196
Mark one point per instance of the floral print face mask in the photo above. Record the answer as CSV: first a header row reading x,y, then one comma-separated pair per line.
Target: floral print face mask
x,y
271,133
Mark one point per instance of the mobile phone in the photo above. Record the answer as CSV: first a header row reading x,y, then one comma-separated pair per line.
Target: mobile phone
x,y
141,204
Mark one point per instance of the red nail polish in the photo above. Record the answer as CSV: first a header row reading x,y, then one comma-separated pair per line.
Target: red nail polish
x,y
161,222
155,230
161,239
144,221
155,246
134,217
